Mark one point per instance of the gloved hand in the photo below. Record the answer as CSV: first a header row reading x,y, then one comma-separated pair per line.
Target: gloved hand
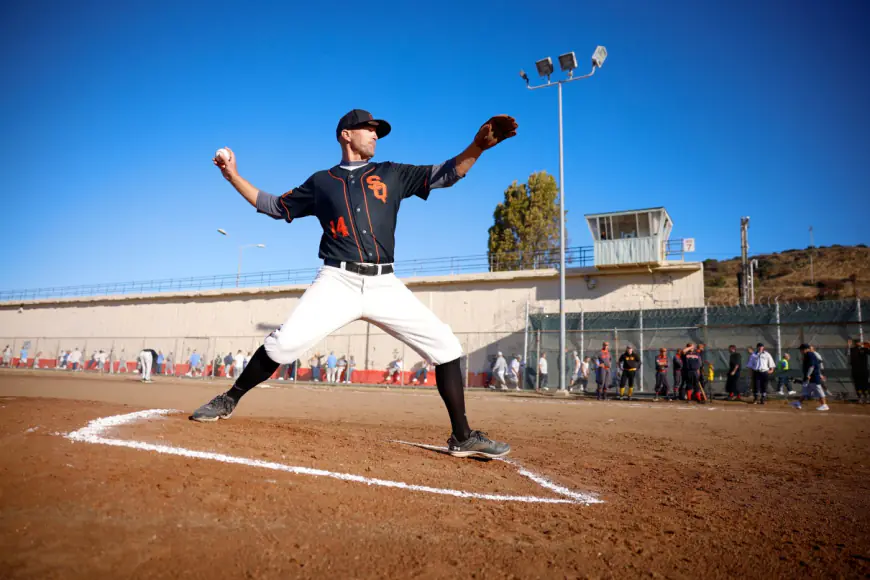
x,y
494,131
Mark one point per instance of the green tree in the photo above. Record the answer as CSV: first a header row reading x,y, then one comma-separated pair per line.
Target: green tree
x,y
525,234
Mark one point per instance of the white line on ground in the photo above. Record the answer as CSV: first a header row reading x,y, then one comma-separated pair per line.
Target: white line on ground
x,y
95,430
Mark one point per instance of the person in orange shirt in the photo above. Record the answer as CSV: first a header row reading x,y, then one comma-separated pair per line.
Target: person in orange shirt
x,y
662,387
602,371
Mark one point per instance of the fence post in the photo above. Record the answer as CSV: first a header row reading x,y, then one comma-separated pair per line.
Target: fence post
x,y
778,335
860,320
537,358
640,349
582,334
526,338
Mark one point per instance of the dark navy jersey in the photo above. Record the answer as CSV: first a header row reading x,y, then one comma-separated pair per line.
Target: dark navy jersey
x,y
693,361
357,207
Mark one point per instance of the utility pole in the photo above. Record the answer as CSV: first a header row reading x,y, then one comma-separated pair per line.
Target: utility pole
x,y
812,249
744,259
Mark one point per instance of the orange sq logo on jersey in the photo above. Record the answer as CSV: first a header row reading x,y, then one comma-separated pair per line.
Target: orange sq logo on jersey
x,y
378,187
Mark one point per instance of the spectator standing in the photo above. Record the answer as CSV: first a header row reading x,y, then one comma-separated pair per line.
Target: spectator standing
x,y
859,352
61,359
782,376
812,378
331,368
498,373
351,365
542,373
734,363
314,363
161,360
692,374
193,363
629,362
102,358
122,361
575,374
75,359
228,365
22,358
36,360
583,376
764,367
602,371
679,375
342,368
818,355
7,356
751,365
662,387
238,363
147,357
514,372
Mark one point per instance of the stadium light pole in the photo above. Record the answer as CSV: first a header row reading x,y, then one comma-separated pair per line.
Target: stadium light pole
x,y
568,63
239,270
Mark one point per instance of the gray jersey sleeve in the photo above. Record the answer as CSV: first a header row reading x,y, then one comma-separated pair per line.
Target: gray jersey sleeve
x,y
270,205
444,175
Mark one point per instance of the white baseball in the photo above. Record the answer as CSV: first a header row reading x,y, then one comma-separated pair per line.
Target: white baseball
x,y
222,154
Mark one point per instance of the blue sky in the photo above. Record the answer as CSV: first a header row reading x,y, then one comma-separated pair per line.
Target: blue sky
x,y
111,112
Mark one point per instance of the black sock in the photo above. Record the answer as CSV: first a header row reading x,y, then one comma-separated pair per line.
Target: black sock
x,y
448,377
259,369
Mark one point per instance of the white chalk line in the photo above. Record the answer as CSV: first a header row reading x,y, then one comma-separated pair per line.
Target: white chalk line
x,y
583,498
94,431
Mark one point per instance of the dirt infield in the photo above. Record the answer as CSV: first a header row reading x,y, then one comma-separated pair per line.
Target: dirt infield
x,y
716,491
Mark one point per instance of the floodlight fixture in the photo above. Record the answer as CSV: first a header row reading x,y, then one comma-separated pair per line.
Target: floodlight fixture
x,y
567,62
599,56
545,67
524,76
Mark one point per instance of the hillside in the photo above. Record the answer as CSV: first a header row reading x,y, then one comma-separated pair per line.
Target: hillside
x,y
839,273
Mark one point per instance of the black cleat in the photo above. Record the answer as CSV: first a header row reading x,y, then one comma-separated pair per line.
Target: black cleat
x,y
221,407
479,445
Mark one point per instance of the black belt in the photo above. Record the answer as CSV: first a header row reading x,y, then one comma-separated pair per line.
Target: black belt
x,y
361,269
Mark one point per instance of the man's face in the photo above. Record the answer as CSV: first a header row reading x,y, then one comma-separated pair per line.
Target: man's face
x,y
363,140
732,349
760,349
605,346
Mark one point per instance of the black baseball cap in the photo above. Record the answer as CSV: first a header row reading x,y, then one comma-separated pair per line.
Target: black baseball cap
x,y
804,346
358,118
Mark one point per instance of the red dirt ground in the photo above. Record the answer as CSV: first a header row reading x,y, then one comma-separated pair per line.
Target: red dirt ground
x,y
720,491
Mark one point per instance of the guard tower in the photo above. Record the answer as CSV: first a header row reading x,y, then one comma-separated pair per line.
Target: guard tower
x,y
630,238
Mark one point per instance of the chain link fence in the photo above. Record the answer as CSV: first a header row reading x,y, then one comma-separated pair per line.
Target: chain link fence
x,y
782,328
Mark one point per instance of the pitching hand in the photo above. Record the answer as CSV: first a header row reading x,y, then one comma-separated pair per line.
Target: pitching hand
x,y
494,131
228,168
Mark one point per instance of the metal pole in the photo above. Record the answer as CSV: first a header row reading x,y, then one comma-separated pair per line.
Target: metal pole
x,y
752,264
526,337
778,336
582,335
537,358
561,249
640,352
860,321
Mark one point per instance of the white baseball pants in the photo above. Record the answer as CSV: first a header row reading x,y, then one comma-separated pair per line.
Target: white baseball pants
x,y
145,359
338,297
